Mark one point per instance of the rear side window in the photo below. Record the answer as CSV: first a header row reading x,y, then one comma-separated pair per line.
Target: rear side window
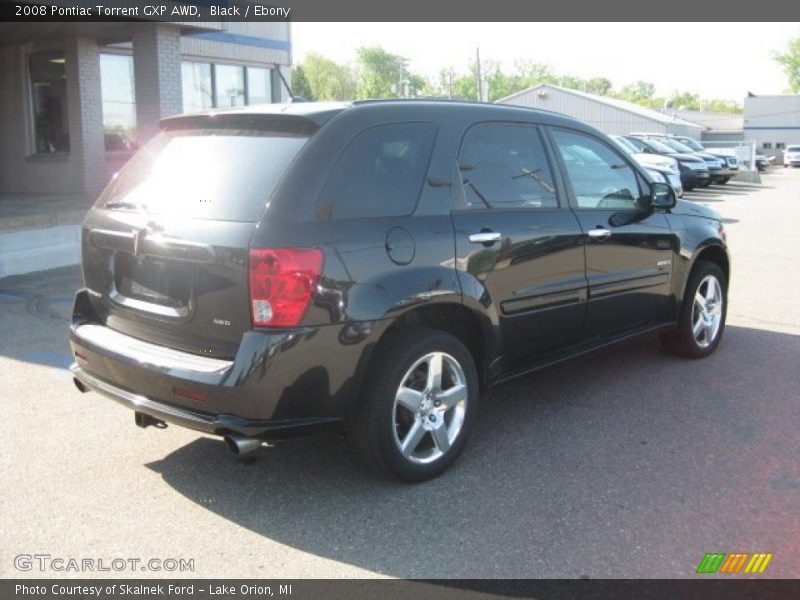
x,y
503,165
224,175
380,173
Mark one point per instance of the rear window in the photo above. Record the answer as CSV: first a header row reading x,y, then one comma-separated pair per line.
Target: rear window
x,y
209,174
792,148
379,174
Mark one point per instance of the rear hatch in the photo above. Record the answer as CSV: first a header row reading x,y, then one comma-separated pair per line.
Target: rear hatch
x,y
165,249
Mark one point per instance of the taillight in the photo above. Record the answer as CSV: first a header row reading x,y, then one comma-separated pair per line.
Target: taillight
x,y
282,283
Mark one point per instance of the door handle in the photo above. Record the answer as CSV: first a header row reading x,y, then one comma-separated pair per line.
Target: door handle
x,y
485,237
599,233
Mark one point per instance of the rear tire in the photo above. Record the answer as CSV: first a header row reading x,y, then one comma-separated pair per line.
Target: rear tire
x,y
724,181
701,322
418,405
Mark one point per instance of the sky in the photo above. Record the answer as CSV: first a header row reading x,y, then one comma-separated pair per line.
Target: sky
x,y
714,60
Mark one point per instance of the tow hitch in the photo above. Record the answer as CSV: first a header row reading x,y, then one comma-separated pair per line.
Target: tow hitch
x,y
143,420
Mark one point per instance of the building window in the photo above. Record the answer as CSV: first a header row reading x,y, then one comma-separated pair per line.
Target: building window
x,y
780,145
229,85
208,85
197,86
48,77
119,105
767,146
259,85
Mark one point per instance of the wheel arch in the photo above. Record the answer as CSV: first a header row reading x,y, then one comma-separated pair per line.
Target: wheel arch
x,y
470,327
712,251
717,254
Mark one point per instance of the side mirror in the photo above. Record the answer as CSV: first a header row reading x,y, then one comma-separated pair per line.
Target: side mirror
x,y
662,195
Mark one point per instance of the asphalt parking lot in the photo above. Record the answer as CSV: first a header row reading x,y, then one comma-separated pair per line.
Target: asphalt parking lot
x,y
627,463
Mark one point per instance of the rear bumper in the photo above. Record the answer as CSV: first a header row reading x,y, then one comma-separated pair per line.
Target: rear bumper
x,y
214,424
720,175
281,383
691,179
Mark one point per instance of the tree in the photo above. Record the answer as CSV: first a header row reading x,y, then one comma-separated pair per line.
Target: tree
x,y
534,73
599,85
724,106
300,85
419,86
790,61
638,92
684,101
328,80
381,74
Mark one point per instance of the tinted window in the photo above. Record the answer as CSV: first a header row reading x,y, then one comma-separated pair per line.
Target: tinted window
x,y
226,175
48,78
380,173
505,166
600,176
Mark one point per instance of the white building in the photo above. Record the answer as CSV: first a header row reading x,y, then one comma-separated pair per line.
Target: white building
x,y
719,127
610,115
773,122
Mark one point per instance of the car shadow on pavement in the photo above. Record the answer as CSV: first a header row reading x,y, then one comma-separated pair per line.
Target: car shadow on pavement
x,y
614,464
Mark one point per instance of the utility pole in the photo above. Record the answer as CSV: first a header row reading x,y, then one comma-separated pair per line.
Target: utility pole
x,y
480,77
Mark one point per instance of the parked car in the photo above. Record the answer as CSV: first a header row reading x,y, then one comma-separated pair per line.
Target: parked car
x,y
664,168
693,170
372,268
791,155
763,161
726,154
717,168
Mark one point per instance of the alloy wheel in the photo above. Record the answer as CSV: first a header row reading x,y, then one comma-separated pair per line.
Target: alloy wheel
x,y
707,311
429,407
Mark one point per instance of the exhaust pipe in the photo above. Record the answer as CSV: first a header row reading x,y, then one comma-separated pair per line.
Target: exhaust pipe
x,y
79,384
240,445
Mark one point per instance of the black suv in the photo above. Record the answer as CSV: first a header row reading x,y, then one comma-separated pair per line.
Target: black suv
x,y
372,268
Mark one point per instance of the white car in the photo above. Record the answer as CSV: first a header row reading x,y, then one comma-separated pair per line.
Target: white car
x,y
791,156
666,166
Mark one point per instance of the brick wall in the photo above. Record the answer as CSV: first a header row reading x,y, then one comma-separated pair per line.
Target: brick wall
x,y
157,72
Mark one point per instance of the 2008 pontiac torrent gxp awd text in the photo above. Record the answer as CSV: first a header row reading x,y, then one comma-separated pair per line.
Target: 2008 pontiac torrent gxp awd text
x,y
372,268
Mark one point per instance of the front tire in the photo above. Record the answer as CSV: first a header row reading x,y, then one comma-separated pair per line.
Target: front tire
x,y
417,407
702,318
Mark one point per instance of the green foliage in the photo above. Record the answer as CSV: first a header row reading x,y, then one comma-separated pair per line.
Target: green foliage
x,y
790,61
300,85
328,80
381,74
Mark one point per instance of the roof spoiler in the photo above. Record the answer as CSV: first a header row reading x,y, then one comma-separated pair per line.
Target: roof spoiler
x,y
268,122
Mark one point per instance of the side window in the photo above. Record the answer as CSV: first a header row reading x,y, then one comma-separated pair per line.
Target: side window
x,y
504,165
379,174
600,176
